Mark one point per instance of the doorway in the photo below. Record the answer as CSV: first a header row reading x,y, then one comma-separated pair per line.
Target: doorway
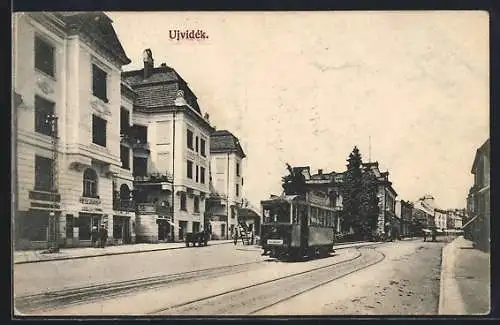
x,y
163,229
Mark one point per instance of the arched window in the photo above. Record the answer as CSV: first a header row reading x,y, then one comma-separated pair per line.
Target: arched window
x,y
124,192
196,204
183,202
89,183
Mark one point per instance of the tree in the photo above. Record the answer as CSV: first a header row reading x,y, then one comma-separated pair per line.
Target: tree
x,y
294,183
351,191
368,209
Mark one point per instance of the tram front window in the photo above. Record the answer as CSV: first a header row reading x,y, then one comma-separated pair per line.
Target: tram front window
x,y
277,213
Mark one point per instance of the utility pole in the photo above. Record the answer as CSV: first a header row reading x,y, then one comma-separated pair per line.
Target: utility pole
x,y
370,149
173,176
53,245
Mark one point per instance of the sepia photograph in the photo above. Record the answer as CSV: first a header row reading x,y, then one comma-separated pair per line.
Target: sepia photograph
x,y
246,163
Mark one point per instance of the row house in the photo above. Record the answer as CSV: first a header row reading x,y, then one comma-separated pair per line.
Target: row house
x,y
66,69
441,219
226,180
387,220
455,218
169,153
477,228
404,213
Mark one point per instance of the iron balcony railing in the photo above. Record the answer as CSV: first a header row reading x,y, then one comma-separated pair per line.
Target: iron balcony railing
x,y
124,205
154,178
154,208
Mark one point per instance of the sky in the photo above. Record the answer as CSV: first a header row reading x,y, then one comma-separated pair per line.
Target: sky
x,y
305,87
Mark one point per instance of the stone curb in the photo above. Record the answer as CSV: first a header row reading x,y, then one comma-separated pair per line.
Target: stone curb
x,y
450,299
108,254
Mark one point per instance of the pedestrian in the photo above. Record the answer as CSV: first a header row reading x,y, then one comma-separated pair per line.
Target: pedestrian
x,y
94,236
103,236
425,235
235,235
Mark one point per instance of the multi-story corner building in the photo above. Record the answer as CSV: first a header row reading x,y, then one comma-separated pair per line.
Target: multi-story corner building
x,y
387,221
477,228
171,153
66,69
404,213
226,177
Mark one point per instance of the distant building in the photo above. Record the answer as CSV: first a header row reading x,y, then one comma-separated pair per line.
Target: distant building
x,y
455,218
477,227
423,213
226,180
404,210
170,149
387,223
330,185
441,219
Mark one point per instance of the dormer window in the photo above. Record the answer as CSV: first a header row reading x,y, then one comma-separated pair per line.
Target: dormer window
x,y
99,83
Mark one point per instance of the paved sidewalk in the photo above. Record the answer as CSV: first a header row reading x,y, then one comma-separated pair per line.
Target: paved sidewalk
x,y
465,280
21,257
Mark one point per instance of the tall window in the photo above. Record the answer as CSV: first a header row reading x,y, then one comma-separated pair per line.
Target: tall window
x,y
202,147
44,56
90,183
98,131
190,139
125,157
140,166
124,121
202,175
197,174
197,145
189,167
237,189
237,169
196,204
43,109
99,83
43,173
183,202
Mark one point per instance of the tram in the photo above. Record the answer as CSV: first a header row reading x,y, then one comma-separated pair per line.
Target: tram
x,y
294,227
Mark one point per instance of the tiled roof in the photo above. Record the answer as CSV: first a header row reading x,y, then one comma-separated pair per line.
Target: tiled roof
x,y
159,89
158,95
225,141
99,27
483,150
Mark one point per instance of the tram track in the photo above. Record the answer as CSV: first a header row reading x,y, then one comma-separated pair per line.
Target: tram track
x,y
56,299
260,296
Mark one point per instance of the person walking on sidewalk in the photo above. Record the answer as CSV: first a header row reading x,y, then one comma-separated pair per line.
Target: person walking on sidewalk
x,y
103,236
94,236
235,237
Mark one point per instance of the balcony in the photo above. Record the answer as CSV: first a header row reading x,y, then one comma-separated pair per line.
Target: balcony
x,y
153,208
154,178
140,146
90,200
124,205
44,196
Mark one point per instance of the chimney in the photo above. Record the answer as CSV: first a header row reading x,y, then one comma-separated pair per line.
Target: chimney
x,y
148,63
320,171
